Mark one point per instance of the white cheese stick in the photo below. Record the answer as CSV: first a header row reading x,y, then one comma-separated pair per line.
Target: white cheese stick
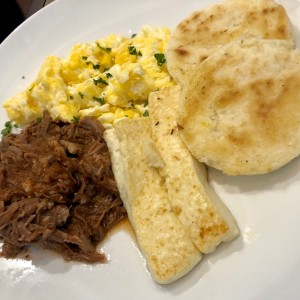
x,y
163,240
205,217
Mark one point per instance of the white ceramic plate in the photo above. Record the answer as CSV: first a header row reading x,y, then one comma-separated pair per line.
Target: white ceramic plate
x,y
263,263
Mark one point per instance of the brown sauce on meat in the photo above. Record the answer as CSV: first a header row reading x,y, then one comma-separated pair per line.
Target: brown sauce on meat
x,y
123,226
57,189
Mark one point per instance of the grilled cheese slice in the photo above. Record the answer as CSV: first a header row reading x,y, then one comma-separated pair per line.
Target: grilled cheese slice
x,y
163,240
206,219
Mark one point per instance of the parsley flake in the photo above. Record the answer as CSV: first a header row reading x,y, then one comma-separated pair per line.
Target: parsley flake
x,y
100,100
146,113
133,51
80,95
7,128
108,75
160,58
96,67
84,57
75,119
99,80
133,35
105,49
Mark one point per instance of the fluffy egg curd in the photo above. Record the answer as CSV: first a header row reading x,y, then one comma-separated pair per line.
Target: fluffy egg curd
x,y
110,79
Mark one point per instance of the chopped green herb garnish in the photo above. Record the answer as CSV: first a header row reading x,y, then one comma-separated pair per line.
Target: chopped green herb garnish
x,y
84,57
106,69
108,75
75,119
133,35
146,103
38,119
80,95
105,49
7,128
71,97
100,80
100,100
96,67
146,113
133,51
160,58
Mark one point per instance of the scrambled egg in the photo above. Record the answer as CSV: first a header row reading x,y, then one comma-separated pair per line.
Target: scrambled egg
x,y
110,79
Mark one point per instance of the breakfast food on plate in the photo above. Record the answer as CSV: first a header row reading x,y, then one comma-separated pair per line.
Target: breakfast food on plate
x,y
206,219
164,242
240,110
203,32
57,189
65,180
110,79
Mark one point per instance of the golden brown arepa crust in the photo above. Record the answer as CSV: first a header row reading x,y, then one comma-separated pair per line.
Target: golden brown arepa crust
x,y
204,31
240,111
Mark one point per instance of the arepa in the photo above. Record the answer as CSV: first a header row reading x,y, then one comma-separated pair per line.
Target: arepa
x,y
204,31
240,111
164,242
206,219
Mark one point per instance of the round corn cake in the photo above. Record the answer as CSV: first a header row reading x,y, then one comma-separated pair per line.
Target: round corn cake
x,y
240,109
204,31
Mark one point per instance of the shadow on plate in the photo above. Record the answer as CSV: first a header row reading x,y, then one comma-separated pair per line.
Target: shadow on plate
x,y
49,261
208,261
279,179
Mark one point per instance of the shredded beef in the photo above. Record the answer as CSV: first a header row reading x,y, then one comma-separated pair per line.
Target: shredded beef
x,y
57,189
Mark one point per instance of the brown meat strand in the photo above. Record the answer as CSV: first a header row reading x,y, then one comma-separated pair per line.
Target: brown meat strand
x,y
57,189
